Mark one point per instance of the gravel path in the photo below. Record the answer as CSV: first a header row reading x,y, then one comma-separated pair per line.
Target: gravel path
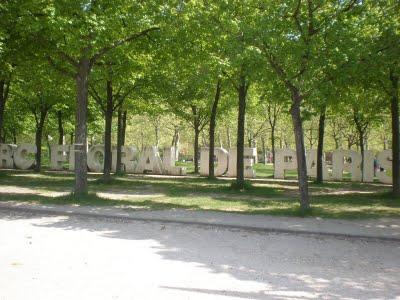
x,y
75,257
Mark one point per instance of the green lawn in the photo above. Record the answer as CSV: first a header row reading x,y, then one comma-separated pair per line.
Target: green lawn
x,y
266,196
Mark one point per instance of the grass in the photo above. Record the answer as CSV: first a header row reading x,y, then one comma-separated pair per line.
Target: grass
x,y
263,196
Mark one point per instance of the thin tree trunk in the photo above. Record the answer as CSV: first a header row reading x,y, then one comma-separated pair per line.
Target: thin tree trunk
x,y
14,135
107,132
213,118
38,141
264,151
175,143
228,135
60,128
273,144
242,93
362,150
157,134
300,151
4,91
196,149
119,141
123,127
81,187
394,79
320,147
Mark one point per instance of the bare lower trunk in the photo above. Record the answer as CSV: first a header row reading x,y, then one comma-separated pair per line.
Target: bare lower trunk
x,y
4,89
273,144
196,150
123,127
300,151
213,118
60,128
264,150
107,132
175,143
228,136
242,92
118,169
14,135
81,187
157,134
362,150
320,147
395,134
38,142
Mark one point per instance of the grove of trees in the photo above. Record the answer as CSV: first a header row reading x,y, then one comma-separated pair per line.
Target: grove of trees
x,y
266,74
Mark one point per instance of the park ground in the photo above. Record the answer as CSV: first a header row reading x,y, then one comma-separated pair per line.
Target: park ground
x,y
266,195
47,256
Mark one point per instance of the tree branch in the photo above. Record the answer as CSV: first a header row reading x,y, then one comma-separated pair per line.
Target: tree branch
x,y
118,43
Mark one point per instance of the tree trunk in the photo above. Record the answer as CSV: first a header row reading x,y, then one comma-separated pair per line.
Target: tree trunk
x,y
118,169
300,150
14,135
124,127
273,144
213,118
362,150
320,147
157,134
71,138
107,132
196,149
60,128
38,140
264,150
175,143
228,135
81,187
242,93
394,79
4,89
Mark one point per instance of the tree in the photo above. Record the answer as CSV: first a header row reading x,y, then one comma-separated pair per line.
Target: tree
x,y
78,35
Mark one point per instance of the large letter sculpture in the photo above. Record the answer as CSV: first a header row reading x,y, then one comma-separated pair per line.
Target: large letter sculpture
x,y
21,159
384,159
346,160
248,162
168,162
149,161
59,155
221,160
368,167
311,160
285,160
6,156
128,159
95,158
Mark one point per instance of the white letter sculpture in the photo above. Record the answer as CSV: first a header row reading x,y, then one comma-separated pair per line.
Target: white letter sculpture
x,y
346,160
384,159
59,155
368,166
169,163
222,158
149,161
128,159
248,162
20,156
285,159
94,162
311,159
6,156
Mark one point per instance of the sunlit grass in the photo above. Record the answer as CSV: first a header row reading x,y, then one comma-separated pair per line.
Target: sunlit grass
x,y
264,196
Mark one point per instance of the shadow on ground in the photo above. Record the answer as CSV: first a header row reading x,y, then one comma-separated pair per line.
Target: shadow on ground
x,y
285,266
